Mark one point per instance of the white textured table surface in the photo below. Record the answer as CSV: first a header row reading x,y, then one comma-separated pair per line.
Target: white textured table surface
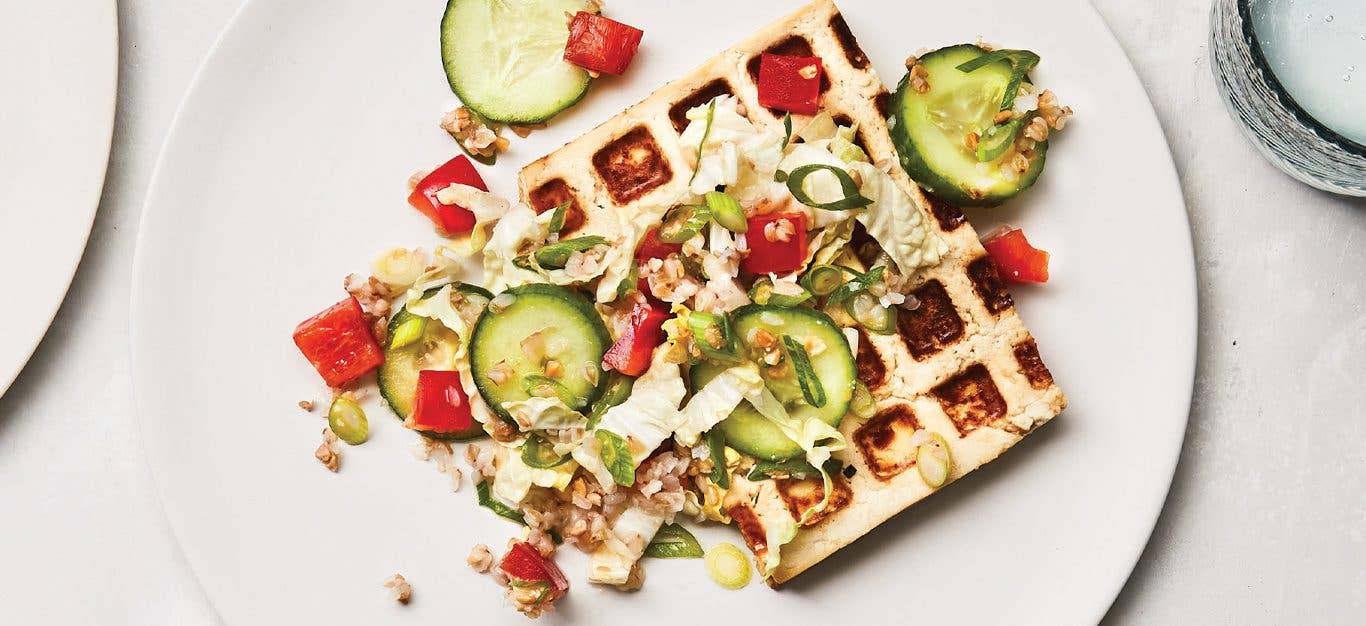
x,y
1266,522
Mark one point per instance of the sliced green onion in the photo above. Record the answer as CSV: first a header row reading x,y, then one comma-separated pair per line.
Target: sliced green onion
x,y
556,255
616,455
632,281
540,456
862,403
557,217
1021,61
491,503
934,460
844,148
839,316
764,292
706,132
542,588
796,467
673,541
713,336
860,283
761,290
523,261
851,200
727,212
683,222
618,389
408,332
348,421
996,139
868,311
987,58
546,387
812,389
716,449
727,565
787,131
822,280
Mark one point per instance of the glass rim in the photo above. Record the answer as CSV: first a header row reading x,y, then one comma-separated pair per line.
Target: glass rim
x,y
1269,76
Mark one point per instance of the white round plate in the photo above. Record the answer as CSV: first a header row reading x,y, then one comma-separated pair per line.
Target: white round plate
x,y
59,72
286,170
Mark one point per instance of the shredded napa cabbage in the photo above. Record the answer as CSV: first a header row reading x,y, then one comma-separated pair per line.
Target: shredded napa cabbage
x,y
447,264
716,400
536,413
486,207
646,419
514,478
817,438
779,530
518,229
632,226
897,225
627,537
821,186
438,307
737,154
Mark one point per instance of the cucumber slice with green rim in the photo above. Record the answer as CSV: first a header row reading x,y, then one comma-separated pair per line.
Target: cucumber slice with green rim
x,y
929,129
505,58
503,354
751,433
434,349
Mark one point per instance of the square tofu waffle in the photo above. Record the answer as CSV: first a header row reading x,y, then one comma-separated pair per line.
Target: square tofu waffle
x,y
962,364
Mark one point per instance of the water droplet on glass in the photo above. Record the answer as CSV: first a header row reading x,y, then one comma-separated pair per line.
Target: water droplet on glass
x,y
1346,77
1308,16
1328,18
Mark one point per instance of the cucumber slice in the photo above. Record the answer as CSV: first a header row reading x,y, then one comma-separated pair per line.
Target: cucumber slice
x,y
505,58
748,431
516,339
929,128
433,350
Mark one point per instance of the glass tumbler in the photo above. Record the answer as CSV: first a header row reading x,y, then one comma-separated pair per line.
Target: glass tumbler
x,y
1293,73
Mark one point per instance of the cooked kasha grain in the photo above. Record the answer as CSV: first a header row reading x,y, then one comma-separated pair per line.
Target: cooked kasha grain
x,y
327,452
399,589
480,558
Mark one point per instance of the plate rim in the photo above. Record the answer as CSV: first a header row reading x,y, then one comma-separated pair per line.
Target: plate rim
x,y
1167,171
9,374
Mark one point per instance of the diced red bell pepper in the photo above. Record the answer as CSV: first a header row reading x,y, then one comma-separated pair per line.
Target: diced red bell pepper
x,y
790,83
643,286
775,256
1015,258
441,405
599,44
652,248
338,343
630,354
523,563
450,219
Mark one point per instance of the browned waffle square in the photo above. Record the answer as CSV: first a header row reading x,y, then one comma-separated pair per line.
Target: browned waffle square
x,y
962,364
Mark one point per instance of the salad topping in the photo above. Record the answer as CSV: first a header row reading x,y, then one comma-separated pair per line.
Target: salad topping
x,y
681,358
